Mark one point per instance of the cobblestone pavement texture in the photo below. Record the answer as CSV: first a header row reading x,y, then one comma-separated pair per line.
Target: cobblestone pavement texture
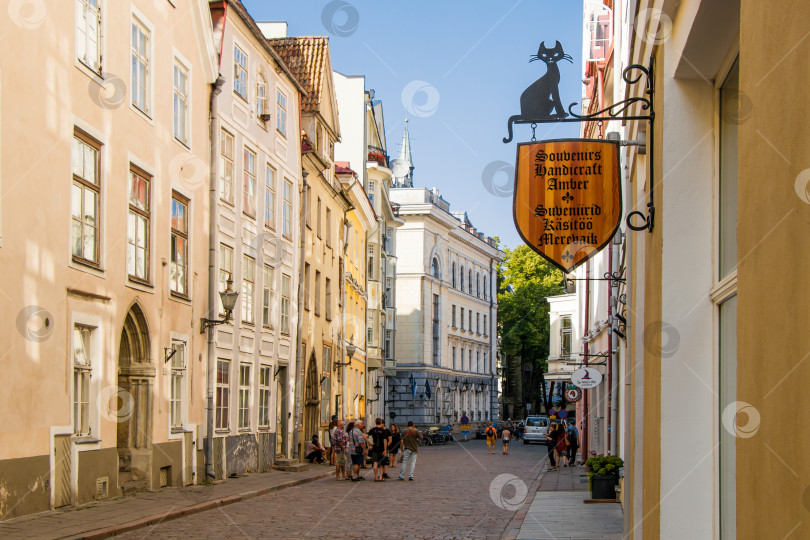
x,y
450,498
71,522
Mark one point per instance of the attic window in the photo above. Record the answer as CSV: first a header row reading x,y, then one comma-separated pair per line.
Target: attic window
x,y
599,29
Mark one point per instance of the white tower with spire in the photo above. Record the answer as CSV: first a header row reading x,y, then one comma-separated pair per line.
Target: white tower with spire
x,y
402,167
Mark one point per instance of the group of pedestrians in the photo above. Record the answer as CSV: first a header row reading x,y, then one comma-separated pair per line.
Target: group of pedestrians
x,y
563,443
510,431
353,445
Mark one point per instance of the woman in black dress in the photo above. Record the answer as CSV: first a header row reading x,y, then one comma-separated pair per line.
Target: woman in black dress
x,y
393,448
551,443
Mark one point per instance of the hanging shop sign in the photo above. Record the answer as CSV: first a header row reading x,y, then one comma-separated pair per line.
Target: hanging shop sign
x,y
572,395
586,377
567,200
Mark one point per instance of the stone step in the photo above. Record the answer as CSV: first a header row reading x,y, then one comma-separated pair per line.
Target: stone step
x,y
285,461
293,467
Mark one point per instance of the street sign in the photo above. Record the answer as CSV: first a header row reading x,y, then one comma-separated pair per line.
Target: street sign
x,y
563,413
528,406
586,377
465,429
567,200
552,413
465,420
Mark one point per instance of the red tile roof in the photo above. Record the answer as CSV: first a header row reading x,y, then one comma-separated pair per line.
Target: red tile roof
x,y
306,58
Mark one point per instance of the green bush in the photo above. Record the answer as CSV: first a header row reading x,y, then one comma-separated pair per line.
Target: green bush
x,y
603,466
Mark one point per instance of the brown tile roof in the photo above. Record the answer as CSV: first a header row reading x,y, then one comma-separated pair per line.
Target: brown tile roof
x,y
306,57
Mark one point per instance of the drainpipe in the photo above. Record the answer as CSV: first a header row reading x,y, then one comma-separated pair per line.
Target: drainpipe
x,y
585,351
299,358
611,446
213,297
492,371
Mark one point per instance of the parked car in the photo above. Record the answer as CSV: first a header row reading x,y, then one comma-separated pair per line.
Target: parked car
x,y
479,433
536,428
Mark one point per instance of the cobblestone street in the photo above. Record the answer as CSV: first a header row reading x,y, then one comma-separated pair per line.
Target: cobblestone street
x,y
450,498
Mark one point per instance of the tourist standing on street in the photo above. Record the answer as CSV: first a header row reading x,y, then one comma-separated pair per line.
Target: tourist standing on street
x,y
359,449
380,437
410,443
332,428
551,443
491,434
573,443
339,441
506,436
562,448
394,446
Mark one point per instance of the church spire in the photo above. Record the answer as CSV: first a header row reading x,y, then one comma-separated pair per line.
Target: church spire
x,y
403,165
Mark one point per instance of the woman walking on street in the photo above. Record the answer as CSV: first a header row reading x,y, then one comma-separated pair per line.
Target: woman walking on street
x,y
506,436
551,443
393,448
561,447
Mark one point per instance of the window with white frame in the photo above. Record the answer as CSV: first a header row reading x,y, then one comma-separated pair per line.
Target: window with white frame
x,y
328,300
264,396
261,96
319,219
177,390
328,231
141,67
269,197
285,304
281,113
138,224
240,75
267,295
180,103
286,210
370,269
226,167
371,192
223,393
389,345
178,270
244,396
249,183
85,197
247,288
566,333
88,34
82,373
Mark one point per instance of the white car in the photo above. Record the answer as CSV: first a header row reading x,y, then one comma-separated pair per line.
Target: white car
x,y
536,428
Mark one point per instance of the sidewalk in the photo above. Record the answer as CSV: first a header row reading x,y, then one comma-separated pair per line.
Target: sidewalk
x,y
557,511
107,518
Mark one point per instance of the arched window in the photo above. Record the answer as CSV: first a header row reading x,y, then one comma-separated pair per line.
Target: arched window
x,y
454,275
478,285
462,279
434,268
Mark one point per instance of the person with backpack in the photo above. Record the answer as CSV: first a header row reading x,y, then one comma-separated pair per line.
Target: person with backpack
x,y
491,434
573,443
380,437
561,447
551,443
358,447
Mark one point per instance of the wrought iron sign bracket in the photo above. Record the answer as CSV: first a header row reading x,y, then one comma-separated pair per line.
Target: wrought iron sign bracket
x,y
632,74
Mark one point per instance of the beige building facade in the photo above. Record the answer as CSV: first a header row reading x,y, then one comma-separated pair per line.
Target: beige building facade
x,y
103,202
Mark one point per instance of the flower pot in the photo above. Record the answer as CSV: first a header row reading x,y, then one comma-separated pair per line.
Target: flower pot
x,y
603,486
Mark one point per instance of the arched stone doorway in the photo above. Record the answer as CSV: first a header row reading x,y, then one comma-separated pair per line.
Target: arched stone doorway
x,y
312,401
136,376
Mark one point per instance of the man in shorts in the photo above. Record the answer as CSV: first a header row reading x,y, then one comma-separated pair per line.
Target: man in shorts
x,y
358,450
339,442
491,434
380,437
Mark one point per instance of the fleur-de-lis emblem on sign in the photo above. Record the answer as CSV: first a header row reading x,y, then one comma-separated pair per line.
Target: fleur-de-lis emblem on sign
x,y
567,257
568,197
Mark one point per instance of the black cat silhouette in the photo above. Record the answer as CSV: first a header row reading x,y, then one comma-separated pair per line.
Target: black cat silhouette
x,y
542,99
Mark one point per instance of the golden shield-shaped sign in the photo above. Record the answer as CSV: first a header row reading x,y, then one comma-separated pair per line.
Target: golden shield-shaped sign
x,y
567,203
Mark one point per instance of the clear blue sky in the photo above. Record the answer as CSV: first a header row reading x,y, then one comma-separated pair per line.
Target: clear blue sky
x,y
474,55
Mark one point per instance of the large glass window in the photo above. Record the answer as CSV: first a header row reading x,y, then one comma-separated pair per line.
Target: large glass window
x,y
141,67
240,76
285,304
264,396
82,372
178,271
84,201
88,34
138,227
566,333
247,288
249,183
226,167
181,97
281,113
223,393
177,385
244,396
267,295
729,104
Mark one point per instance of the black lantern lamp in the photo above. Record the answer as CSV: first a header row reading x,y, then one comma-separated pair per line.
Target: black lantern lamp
x,y
228,298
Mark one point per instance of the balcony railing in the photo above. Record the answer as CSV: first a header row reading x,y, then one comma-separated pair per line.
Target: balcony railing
x,y
377,154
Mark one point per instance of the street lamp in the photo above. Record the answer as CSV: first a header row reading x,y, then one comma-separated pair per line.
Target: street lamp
x,y
350,350
228,299
377,388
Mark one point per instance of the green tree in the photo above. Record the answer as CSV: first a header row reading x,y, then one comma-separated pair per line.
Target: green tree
x,y
525,280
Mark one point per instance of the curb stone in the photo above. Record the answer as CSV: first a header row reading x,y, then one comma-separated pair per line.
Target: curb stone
x,y
106,532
